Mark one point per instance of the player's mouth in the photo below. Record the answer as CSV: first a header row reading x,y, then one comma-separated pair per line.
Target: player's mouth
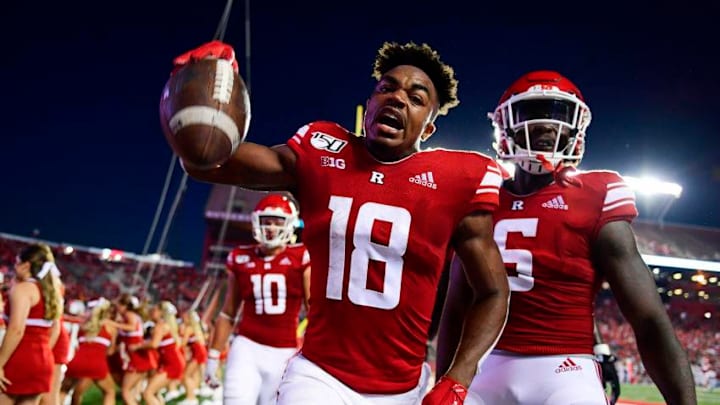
x,y
544,144
543,138
389,120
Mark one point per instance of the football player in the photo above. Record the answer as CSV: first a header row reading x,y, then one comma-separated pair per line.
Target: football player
x,y
561,233
380,214
269,281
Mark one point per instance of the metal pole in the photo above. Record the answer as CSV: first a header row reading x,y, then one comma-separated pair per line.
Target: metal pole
x,y
156,218
166,228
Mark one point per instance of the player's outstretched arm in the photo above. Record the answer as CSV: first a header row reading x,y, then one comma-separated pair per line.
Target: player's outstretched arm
x,y
482,305
250,165
616,255
253,166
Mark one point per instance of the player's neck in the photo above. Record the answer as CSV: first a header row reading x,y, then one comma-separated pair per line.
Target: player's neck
x,y
525,183
266,251
388,154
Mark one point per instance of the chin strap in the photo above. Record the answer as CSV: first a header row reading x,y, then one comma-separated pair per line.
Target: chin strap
x,y
564,175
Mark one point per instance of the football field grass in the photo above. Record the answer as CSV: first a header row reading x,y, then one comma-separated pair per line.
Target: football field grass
x,y
649,394
629,394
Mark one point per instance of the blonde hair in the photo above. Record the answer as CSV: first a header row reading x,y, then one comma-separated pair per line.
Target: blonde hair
x,y
194,321
169,313
38,255
100,311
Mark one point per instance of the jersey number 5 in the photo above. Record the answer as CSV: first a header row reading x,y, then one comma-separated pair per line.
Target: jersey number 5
x,y
522,258
364,250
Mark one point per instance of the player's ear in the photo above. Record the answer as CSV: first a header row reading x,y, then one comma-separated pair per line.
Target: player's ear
x,y
428,131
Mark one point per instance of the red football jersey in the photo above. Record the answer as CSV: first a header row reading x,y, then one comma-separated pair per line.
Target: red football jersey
x,y
272,291
378,234
546,240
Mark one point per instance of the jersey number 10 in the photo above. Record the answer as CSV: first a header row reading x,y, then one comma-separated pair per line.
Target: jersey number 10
x,y
263,292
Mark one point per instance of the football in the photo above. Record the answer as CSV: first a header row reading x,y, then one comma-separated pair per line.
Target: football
x,y
205,112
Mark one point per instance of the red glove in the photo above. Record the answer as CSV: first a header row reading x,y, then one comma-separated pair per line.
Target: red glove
x,y
446,392
210,50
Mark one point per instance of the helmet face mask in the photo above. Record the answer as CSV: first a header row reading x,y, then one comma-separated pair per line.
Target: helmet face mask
x,y
273,221
541,117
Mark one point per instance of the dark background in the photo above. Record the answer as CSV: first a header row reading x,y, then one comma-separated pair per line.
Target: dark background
x,y
83,158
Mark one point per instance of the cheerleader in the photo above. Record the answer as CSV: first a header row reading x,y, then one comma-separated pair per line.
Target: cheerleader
x,y
26,360
96,341
194,339
166,340
130,333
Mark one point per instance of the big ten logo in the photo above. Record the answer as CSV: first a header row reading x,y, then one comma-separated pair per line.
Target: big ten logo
x,y
329,161
326,142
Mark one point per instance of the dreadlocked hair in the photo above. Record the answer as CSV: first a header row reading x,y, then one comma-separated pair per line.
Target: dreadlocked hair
x,y
100,312
37,255
392,54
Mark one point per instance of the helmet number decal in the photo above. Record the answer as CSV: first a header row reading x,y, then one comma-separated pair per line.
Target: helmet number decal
x,y
263,285
365,250
521,279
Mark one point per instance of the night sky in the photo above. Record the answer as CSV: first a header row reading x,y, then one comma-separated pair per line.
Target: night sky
x,y
83,158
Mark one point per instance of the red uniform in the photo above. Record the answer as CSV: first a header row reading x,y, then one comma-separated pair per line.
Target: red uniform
x,y
61,350
30,367
378,234
198,350
91,360
172,361
139,360
272,289
545,239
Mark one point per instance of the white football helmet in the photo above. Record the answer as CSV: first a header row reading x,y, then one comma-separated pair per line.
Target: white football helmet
x,y
274,220
551,100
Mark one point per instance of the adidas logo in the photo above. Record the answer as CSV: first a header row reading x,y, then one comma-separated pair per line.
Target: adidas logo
x,y
567,365
556,203
425,179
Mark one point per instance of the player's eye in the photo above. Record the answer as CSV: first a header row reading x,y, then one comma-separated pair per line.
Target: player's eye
x,y
417,100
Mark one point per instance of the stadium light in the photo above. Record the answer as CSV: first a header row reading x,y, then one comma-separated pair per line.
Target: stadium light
x,y
680,263
653,186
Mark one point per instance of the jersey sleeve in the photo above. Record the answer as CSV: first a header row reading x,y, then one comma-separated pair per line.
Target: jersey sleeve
x,y
305,257
230,262
487,190
235,259
618,201
318,135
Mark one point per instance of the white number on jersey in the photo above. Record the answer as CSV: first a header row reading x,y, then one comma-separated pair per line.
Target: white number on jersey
x,y
522,258
365,250
263,292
